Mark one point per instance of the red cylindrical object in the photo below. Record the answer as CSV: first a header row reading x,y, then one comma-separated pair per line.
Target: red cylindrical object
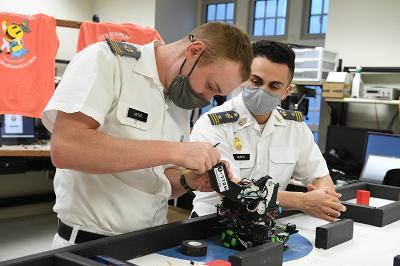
x,y
363,197
218,263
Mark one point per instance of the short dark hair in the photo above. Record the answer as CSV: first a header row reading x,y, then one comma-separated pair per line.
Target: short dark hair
x,y
275,52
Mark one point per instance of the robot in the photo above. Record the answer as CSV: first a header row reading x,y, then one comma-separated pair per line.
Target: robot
x,y
249,211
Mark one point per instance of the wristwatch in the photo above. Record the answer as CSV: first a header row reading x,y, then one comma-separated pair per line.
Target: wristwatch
x,y
188,189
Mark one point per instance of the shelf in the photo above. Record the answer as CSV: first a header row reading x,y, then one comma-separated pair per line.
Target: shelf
x,y
373,69
359,100
305,83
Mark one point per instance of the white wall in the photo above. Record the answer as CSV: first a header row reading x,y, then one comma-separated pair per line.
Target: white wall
x,y
79,10
242,14
140,12
175,18
365,32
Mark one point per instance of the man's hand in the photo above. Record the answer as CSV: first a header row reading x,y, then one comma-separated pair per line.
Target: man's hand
x,y
329,191
198,156
201,182
321,204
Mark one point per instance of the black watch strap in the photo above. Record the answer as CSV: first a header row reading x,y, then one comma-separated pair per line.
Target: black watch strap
x,y
188,189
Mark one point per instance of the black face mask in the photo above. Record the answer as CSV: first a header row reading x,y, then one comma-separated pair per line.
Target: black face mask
x,y
181,92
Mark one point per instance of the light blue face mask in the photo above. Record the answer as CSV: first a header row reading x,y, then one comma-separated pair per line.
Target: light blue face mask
x,y
258,101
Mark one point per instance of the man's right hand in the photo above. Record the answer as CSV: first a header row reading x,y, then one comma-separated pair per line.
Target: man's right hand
x,y
319,204
198,156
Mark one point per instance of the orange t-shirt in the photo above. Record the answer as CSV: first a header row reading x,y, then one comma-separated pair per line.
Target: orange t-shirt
x,y
27,63
91,32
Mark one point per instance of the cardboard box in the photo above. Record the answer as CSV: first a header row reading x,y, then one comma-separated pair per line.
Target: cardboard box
x,y
339,77
337,85
336,90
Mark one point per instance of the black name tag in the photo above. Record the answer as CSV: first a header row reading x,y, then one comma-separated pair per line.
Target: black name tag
x,y
241,157
138,115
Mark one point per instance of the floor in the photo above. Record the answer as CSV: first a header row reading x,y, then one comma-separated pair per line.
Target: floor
x,y
26,235
32,234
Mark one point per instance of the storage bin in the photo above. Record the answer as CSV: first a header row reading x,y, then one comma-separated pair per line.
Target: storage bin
x,y
314,64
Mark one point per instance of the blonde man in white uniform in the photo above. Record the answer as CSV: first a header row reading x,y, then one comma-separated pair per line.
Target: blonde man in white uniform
x,y
265,140
121,113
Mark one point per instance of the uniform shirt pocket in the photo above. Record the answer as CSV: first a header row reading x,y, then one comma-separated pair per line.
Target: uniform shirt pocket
x,y
134,115
246,166
282,163
246,163
283,155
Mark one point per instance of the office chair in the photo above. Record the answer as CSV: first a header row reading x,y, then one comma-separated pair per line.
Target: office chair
x,y
392,178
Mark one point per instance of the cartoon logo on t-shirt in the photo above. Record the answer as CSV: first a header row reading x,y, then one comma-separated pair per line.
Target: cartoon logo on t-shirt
x,y
18,47
13,35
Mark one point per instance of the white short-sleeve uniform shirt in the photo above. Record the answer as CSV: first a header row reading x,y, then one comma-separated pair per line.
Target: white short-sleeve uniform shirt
x,y
125,96
285,148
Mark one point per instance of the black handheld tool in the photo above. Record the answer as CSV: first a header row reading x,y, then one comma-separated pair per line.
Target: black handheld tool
x,y
221,183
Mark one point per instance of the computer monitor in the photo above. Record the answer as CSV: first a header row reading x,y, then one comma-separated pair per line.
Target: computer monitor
x,y
350,139
376,166
17,129
382,144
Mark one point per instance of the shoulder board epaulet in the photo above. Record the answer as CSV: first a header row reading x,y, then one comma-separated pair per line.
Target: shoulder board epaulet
x,y
223,117
123,49
291,115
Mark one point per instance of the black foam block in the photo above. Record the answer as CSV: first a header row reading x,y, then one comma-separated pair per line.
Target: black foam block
x,y
269,254
333,234
396,261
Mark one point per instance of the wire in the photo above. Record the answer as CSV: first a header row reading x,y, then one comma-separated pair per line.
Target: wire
x,y
329,109
391,123
376,115
399,108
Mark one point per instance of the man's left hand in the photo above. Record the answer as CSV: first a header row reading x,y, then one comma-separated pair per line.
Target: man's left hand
x,y
329,191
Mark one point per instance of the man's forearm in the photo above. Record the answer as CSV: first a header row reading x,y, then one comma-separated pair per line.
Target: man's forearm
x,y
200,182
95,152
173,177
324,182
290,200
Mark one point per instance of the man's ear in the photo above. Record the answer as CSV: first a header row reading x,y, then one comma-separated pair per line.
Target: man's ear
x,y
194,50
288,90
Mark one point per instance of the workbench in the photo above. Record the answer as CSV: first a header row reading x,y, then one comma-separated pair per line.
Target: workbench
x,y
370,245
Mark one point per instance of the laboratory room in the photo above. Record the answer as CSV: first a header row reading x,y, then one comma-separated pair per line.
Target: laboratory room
x,y
199,132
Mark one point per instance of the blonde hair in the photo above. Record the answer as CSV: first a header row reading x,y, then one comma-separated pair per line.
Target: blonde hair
x,y
224,41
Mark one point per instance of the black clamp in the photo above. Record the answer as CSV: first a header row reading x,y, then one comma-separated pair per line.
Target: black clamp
x,y
188,189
